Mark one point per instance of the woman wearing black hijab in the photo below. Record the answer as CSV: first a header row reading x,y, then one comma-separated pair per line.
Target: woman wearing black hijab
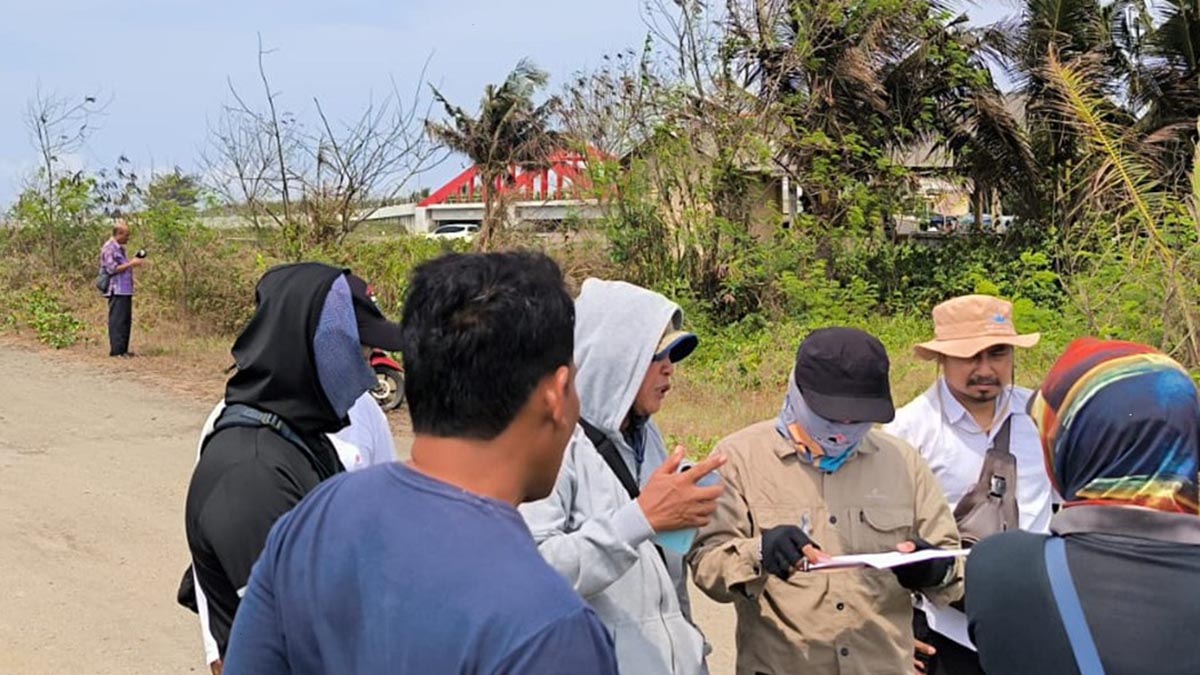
x,y
300,362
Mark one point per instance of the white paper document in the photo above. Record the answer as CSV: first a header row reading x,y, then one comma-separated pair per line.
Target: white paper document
x,y
883,561
949,622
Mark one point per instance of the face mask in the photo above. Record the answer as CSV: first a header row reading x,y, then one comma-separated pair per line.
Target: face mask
x,y
835,438
836,441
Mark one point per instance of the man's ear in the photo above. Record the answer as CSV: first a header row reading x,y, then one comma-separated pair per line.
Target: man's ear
x,y
558,387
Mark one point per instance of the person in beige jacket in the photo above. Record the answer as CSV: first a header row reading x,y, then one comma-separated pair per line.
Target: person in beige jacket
x,y
821,481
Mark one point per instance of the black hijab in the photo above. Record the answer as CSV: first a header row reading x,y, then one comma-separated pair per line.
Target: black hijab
x,y
276,363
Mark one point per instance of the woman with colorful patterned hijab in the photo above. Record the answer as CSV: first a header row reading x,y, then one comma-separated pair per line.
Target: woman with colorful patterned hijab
x,y
1120,427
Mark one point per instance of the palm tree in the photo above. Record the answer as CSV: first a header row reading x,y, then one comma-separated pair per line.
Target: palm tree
x,y
1099,33
823,69
1134,226
864,84
968,118
1165,86
509,133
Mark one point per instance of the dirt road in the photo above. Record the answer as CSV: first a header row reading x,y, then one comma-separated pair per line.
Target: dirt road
x,y
92,475
94,463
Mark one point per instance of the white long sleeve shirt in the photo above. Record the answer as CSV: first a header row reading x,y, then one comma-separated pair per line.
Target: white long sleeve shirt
x,y
954,445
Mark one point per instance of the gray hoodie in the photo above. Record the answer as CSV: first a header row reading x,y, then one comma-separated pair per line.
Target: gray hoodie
x,y
588,528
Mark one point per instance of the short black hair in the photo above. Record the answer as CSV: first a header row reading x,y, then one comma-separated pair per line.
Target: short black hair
x,y
480,332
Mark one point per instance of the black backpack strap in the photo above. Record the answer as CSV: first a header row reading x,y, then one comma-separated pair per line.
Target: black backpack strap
x,y
612,457
241,415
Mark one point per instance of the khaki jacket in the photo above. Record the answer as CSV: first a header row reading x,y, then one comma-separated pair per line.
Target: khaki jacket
x,y
846,621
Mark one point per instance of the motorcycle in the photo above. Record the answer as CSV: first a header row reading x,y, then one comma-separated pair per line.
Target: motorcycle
x,y
389,374
389,380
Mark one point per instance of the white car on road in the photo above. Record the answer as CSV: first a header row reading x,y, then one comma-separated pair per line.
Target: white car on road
x,y
465,231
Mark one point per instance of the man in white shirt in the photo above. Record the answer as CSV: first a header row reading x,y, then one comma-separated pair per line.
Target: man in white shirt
x,y
368,440
956,421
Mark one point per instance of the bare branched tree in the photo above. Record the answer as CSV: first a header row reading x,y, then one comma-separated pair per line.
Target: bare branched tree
x,y
689,33
682,152
613,108
58,126
318,184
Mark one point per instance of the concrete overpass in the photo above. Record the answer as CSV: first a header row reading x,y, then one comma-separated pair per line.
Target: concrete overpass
x,y
557,192
417,218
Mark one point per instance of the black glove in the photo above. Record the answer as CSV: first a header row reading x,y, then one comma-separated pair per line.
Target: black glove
x,y
924,574
782,548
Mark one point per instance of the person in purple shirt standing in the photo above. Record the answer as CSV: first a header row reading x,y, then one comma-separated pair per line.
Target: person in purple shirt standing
x,y
446,579
120,289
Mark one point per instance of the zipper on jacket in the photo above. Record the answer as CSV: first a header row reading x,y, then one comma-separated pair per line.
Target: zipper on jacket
x,y
662,613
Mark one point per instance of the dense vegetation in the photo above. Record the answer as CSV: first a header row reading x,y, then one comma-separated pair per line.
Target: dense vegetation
x,y
1095,158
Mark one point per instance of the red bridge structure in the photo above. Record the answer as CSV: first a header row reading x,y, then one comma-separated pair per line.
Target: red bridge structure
x,y
538,197
563,179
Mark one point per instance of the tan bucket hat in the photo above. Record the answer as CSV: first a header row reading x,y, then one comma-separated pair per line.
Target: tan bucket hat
x,y
963,327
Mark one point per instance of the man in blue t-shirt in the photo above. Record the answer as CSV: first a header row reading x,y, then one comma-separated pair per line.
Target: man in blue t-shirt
x,y
427,567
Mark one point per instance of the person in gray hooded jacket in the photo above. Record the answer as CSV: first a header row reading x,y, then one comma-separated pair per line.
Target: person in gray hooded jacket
x,y
623,513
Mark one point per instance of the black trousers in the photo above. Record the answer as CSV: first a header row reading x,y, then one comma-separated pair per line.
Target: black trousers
x,y
951,658
120,322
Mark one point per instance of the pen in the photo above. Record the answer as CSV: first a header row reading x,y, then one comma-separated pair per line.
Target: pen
x,y
806,528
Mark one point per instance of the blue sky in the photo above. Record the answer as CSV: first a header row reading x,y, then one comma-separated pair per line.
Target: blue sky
x,y
165,63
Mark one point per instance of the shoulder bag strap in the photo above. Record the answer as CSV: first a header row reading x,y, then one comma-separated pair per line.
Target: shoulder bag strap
x,y
1087,659
612,457
1008,463
989,485
1003,437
